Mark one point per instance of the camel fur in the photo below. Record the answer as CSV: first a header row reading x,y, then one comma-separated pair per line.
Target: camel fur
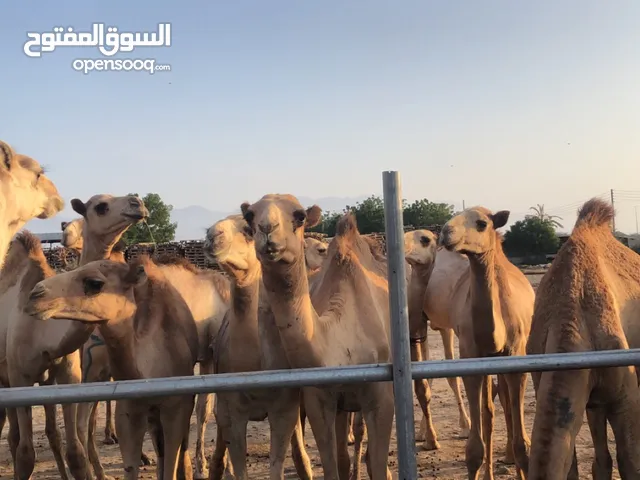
x,y
249,341
145,322
493,305
30,347
344,320
588,300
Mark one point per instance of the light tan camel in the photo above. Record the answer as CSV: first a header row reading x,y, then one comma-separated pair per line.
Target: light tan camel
x,y
493,309
25,193
94,363
421,254
343,321
588,300
207,294
145,322
249,341
315,253
30,347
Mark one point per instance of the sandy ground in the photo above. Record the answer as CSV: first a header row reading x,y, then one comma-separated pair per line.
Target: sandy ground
x,y
445,463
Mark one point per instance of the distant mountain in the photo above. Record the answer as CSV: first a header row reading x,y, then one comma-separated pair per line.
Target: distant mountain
x,y
195,219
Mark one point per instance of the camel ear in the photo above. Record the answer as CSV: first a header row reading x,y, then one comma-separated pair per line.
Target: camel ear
x,y
79,207
246,213
314,216
136,275
500,218
6,155
244,207
64,225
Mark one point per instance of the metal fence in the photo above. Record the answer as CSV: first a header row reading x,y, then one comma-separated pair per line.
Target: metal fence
x,y
401,371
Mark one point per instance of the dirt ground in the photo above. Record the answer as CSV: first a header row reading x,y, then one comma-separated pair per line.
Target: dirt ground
x,y
443,464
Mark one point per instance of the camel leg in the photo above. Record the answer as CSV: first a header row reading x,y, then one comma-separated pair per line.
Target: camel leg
x,y
25,455
13,437
185,469
474,455
350,437
602,466
234,431
502,389
624,416
488,414
454,383
378,413
359,431
3,419
87,413
55,439
517,384
561,399
283,416
131,422
110,437
423,394
342,444
299,453
203,412
217,462
321,408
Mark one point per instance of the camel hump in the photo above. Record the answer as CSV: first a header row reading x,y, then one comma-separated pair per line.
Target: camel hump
x,y
29,242
347,226
595,213
176,261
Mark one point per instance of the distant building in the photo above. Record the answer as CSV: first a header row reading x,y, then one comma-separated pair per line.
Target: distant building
x,y
49,238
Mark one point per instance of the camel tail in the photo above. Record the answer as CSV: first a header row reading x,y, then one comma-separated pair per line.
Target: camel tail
x,y
29,242
347,226
595,213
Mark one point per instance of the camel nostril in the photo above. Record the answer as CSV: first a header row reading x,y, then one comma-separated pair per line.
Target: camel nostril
x,y
37,292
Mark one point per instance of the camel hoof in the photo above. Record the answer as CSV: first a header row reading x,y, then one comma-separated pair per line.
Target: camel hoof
x,y
110,439
351,439
508,460
201,475
421,436
431,445
145,461
464,432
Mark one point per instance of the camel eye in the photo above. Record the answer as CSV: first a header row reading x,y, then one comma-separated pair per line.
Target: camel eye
x,y
424,240
247,230
92,286
482,225
322,250
102,208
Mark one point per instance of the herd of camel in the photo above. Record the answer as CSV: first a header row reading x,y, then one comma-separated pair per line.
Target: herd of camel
x,y
284,301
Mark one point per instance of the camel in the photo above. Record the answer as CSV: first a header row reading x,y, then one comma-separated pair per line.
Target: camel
x,y
207,295
343,320
589,299
145,322
94,363
26,193
493,305
421,254
315,252
248,341
29,348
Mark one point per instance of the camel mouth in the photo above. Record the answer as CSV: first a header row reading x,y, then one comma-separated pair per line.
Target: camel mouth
x,y
135,216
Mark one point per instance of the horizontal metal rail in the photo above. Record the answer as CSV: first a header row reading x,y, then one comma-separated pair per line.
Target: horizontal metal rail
x,y
157,387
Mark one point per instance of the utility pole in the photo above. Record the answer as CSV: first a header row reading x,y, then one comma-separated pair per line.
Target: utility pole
x,y
636,219
614,212
463,205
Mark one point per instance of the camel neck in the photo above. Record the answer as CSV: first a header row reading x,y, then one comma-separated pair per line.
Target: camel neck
x,y
420,276
244,341
120,341
287,289
95,248
6,235
488,326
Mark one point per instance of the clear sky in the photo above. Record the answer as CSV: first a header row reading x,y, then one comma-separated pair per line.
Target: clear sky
x,y
501,103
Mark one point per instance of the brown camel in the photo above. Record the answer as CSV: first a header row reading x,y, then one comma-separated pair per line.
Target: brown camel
x,y
588,300
144,322
94,361
315,252
492,309
421,253
31,347
343,321
248,341
26,193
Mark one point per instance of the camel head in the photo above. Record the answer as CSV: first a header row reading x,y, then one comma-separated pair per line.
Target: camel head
x,y
315,251
72,234
420,247
27,193
229,243
277,224
473,231
97,292
108,217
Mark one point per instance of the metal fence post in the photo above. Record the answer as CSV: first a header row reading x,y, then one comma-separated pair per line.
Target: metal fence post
x,y
402,381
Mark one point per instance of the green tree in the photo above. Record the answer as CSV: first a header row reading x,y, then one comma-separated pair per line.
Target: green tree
x,y
369,214
538,212
328,224
158,227
531,236
422,213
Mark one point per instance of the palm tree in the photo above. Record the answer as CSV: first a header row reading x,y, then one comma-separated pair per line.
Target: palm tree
x,y
545,217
